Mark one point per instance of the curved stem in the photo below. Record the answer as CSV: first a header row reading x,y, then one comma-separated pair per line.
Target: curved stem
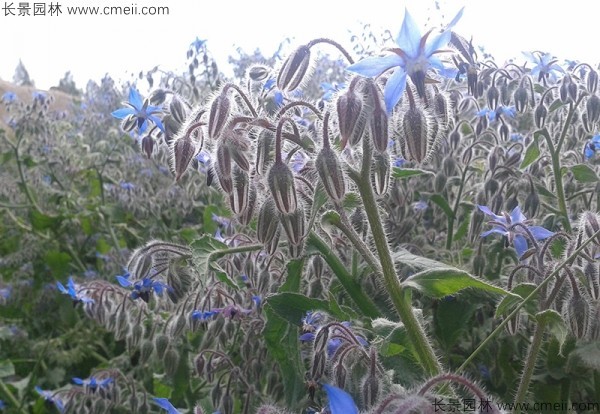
x,y
534,349
334,44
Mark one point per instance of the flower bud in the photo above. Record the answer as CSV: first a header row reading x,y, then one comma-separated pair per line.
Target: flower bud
x,y
481,125
521,98
177,110
283,188
590,271
148,145
219,113
171,361
293,224
358,221
264,144
592,81
449,166
146,351
246,217
267,223
441,107
199,365
351,118
532,204
591,224
493,94
157,97
478,265
563,90
223,168
380,173
415,128
239,196
227,403
331,173
161,344
370,390
592,107
439,182
577,315
514,324
455,139
378,122
294,69
271,247
182,152
317,266
258,72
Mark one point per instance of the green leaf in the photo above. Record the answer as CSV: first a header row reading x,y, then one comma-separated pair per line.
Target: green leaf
x,y
451,319
294,276
555,105
443,204
205,249
408,172
293,307
6,368
518,293
544,191
416,262
58,262
437,283
556,325
531,154
587,354
41,221
584,174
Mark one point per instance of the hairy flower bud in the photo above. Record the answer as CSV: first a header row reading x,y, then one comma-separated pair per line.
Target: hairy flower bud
x,y
223,168
218,115
240,194
246,216
161,344
182,152
146,351
378,122
592,107
267,223
294,69
358,221
283,188
370,390
380,173
351,118
441,107
331,173
532,204
171,361
590,224
293,224
258,72
493,94
157,97
148,145
177,110
317,266
264,143
449,166
592,81
590,271
514,324
577,314
521,98
415,129
439,182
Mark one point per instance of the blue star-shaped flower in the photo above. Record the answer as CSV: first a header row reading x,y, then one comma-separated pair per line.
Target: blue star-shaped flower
x,y
494,115
9,97
165,404
545,66
140,110
51,398
92,383
71,290
591,146
197,44
142,288
204,315
340,402
505,225
413,57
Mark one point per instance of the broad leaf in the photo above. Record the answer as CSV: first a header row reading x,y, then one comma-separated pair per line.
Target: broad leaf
x,y
584,174
293,307
531,154
437,283
408,172
556,325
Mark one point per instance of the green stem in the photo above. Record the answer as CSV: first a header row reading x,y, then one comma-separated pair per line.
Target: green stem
x,y
532,295
450,234
354,290
12,400
534,349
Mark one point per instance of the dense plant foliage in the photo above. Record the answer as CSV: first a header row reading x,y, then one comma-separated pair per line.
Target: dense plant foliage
x,y
408,231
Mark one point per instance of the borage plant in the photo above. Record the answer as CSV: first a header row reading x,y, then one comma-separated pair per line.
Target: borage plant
x,y
334,287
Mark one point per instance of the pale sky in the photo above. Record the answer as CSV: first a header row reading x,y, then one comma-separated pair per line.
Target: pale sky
x,y
91,46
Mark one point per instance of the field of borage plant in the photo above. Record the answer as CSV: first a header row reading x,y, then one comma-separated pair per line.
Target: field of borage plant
x,y
406,228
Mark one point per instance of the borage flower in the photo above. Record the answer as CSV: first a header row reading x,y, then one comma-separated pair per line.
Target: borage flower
x,y
71,290
414,56
165,404
139,111
544,66
92,383
51,397
511,226
494,115
591,146
142,288
340,402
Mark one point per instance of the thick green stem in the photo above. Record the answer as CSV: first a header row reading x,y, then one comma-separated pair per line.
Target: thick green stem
x,y
399,296
451,219
534,349
362,301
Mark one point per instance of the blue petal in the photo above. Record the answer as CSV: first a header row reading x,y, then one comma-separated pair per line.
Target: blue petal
x,y
135,99
456,19
78,381
498,230
165,404
123,112
158,288
62,288
394,88
307,337
489,212
437,43
516,216
540,233
340,402
374,66
157,122
409,38
520,244
123,281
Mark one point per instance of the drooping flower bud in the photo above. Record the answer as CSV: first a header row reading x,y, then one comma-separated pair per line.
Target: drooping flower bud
x,y
246,217
293,224
329,168
283,188
378,121
449,166
267,223
590,224
540,114
415,129
294,69
590,271
504,131
439,183
592,107
157,97
161,344
182,152
239,196
351,118
592,81
223,168
380,173
493,94
148,145
177,110
358,221
441,108
563,90
218,115
171,361
521,99
577,314
264,145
